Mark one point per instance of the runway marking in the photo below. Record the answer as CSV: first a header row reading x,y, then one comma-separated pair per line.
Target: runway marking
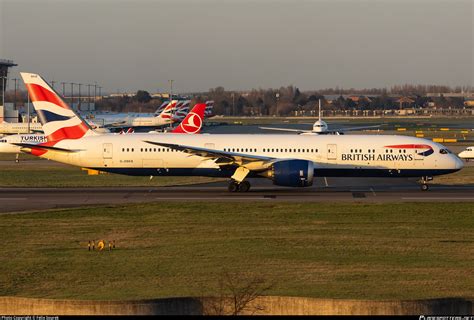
x,y
13,198
213,198
428,198
373,192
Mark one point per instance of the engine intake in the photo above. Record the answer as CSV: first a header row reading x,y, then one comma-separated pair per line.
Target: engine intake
x,y
293,173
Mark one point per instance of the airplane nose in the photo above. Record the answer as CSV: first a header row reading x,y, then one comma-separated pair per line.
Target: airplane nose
x,y
458,163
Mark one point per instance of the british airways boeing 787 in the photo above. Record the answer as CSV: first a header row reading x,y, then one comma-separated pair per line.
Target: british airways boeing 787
x,y
285,159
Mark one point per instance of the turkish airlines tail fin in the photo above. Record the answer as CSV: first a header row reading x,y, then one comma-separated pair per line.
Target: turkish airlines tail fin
x,y
58,120
192,123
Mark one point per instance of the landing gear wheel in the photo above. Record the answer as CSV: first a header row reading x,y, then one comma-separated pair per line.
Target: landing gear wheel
x,y
244,186
424,183
233,186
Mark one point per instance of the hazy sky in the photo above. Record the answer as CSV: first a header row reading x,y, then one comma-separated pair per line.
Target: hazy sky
x,y
201,44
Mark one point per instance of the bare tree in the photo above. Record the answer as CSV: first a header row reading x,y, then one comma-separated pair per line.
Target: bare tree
x,y
237,293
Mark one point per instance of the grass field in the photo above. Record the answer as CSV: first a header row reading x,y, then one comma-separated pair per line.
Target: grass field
x,y
43,173
360,251
464,176
51,174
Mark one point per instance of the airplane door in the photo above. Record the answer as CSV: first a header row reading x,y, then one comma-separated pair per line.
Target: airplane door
x,y
107,150
332,151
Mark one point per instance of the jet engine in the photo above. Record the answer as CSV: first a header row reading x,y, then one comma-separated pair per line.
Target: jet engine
x,y
292,173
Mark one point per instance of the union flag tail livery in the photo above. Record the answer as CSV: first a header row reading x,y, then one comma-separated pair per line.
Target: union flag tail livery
x,y
59,121
192,123
166,110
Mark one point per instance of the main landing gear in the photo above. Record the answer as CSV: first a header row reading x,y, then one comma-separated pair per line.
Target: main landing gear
x,y
237,182
424,183
235,186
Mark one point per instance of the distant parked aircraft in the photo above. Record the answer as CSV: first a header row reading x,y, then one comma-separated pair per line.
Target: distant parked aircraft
x,y
467,154
321,127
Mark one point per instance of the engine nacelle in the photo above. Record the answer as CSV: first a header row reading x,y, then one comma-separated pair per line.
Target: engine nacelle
x,y
292,173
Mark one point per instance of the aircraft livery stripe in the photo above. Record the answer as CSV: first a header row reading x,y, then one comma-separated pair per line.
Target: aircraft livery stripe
x,y
39,93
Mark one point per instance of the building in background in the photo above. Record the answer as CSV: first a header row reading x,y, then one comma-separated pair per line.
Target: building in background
x,y
4,67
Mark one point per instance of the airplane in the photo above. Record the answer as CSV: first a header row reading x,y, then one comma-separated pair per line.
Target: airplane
x,y
35,127
320,127
181,108
285,159
19,127
121,121
191,124
467,154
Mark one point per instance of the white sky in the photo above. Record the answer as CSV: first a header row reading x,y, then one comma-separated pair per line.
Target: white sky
x,y
130,45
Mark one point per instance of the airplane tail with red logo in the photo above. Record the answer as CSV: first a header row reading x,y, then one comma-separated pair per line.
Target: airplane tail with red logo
x,y
58,120
166,110
192,123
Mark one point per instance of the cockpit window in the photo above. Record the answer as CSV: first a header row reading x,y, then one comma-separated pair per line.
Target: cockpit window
x,y
444,151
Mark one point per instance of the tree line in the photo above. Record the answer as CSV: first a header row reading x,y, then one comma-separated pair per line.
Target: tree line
x,y
289,100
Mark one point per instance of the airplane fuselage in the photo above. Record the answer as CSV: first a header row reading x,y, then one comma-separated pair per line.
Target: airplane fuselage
x,y
20,127
354,155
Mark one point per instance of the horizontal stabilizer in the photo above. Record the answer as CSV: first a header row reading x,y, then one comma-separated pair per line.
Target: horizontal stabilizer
x,y
47,148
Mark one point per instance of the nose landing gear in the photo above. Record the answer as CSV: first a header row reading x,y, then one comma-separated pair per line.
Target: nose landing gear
x,y
235,186
424,183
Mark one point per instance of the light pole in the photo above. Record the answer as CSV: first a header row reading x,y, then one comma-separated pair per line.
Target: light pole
x,y
233,103
28,111
171,89
14,101
171,101
79,100
88,97
277,96
72,95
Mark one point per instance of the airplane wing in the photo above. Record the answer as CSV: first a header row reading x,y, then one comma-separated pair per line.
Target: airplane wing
x,y
252,162
356,128
286,129
328,131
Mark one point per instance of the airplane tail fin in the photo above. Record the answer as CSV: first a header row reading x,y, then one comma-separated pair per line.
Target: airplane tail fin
x,y
192,123
167,111
58,120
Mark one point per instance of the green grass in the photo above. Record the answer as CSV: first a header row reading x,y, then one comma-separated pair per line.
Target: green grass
x,y
45,173
464,176
359,251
